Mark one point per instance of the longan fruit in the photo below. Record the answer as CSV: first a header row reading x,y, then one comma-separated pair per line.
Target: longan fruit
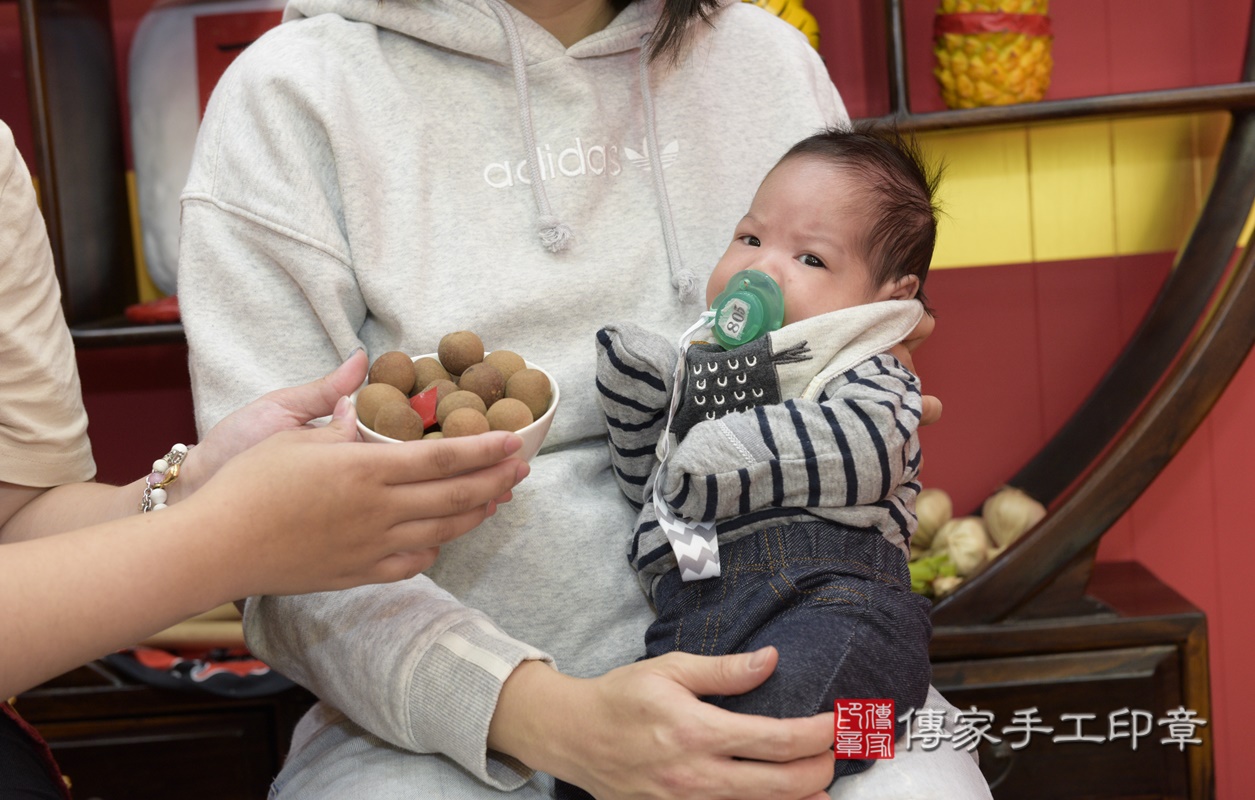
x,y
444,388
428,370
506,362
460,349
532,387
399,422
375,396
456,400
509,414
394,368
464,422
484,380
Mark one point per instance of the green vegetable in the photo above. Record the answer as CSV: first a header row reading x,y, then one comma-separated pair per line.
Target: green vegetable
x,y
925,570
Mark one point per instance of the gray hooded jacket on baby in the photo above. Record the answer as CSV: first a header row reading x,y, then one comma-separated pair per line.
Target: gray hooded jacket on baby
x,y
814,420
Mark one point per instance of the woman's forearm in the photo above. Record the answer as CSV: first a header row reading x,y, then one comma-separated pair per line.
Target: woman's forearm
x,y
532,702
304,510
27,513
35,513
73,597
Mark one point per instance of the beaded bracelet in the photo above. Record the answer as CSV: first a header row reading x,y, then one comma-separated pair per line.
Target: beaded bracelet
x,y
165,472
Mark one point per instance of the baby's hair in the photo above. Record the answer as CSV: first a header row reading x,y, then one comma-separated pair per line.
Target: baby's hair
x,y
900,189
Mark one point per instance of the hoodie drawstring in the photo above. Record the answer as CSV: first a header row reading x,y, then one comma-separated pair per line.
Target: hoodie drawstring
x,y
555,235
682,279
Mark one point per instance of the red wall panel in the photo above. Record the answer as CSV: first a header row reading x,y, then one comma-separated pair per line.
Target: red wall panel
x,y
982,362
1232,550
139,402
1016,350
1081,64
1219,37
1111,46
1078,305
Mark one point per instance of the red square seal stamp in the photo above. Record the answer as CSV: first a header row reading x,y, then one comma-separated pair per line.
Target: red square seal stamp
x,y
863,728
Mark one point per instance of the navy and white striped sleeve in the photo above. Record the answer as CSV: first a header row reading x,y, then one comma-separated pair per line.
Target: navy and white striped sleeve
x,y
853,446
634,379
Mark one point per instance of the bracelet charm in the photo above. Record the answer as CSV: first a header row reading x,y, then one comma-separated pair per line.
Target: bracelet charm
x,y
165,472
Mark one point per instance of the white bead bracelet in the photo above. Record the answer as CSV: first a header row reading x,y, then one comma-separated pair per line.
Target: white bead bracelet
x,y
165,472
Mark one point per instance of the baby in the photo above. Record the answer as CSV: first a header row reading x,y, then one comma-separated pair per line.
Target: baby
x,y
799,446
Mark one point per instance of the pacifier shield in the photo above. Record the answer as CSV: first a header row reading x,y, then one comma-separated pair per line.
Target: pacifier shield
x,y
751,306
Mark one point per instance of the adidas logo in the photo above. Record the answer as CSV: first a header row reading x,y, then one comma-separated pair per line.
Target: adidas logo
x,y
641,160
576,161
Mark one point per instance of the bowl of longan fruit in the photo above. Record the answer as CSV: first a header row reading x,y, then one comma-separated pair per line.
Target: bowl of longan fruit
x,y
460,390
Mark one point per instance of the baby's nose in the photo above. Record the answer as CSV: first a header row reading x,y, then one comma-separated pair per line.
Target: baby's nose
x,y
771,267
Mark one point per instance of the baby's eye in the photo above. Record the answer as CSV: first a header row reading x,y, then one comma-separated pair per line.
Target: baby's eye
x,y
812,261
750,240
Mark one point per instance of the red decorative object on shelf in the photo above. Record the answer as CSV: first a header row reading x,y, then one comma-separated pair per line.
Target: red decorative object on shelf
x,y
164,309
987,56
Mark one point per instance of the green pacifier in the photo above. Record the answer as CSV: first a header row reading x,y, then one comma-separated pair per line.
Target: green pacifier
x,y
752,305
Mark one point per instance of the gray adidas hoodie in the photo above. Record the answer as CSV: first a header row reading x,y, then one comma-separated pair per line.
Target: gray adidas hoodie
x,y
362,176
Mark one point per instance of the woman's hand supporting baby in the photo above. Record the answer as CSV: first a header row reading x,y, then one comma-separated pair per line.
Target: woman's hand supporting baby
x,y
902,352
640,731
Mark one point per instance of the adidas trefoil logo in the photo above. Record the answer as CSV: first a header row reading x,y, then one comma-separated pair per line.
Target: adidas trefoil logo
x,y
670,153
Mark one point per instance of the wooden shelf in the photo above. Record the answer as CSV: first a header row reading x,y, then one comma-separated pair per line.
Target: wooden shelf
x,y
116,737
1221,97
1146,648
121,332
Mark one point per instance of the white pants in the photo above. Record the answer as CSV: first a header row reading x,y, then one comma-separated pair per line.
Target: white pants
x,y
333,758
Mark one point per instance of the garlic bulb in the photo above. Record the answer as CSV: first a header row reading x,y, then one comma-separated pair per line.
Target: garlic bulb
x,y
1009,513
966,542
943,532
945,584
934,509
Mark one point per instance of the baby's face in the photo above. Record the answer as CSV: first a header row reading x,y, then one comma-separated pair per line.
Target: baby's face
x,y
804,229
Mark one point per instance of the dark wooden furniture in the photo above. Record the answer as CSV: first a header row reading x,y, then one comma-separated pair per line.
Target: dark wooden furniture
x,y
71,70
1143,649
1041,626
117,739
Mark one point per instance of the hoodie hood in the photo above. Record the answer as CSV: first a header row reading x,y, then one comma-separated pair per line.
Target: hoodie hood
x,y
494,31
473,27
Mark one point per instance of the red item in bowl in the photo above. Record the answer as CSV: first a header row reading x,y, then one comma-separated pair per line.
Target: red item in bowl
x,y
425,404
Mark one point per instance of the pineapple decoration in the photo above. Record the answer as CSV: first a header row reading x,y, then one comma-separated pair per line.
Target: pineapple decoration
x,y
793,12
992,52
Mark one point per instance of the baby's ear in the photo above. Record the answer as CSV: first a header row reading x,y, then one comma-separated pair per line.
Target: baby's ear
x,y
903,288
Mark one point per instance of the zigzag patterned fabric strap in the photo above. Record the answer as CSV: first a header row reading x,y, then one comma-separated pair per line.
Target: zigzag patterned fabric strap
x,y
695,544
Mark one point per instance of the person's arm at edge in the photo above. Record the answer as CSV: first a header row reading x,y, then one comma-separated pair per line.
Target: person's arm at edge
x,y
28,512
75,596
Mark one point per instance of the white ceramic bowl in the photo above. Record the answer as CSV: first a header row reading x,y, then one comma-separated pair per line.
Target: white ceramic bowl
x,y
533,435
